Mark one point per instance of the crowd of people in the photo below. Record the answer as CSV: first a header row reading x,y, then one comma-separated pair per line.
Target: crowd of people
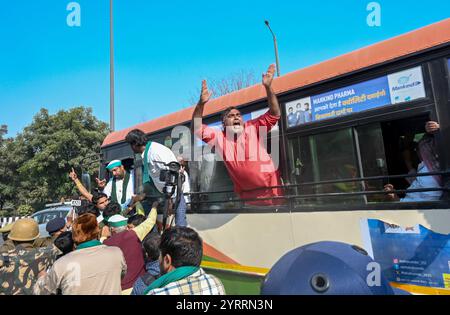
x,y
113,243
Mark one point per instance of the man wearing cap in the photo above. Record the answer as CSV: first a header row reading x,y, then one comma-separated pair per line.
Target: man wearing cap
x,y
130,242
91,269
7,243
120,187
20,267
54,228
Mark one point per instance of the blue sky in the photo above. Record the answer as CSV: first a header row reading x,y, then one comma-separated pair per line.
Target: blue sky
x,y
164,49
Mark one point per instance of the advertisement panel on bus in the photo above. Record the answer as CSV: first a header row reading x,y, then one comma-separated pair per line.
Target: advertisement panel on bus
x,y
399,87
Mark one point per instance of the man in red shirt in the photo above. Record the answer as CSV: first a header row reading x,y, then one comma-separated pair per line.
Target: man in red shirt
x,y
247,161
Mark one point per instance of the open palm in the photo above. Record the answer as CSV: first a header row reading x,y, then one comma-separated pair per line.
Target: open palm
x,y
268,76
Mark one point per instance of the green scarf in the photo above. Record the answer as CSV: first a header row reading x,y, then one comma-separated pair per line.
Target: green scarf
x,y
145,174
88,244
175,275
124,189
149,186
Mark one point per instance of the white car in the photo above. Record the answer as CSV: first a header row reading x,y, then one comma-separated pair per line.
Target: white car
x,y
42,217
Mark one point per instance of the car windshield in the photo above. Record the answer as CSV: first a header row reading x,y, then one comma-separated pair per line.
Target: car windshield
x,y
43,218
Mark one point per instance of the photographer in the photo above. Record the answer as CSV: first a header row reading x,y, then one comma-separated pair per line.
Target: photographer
x,y
152,154
159,179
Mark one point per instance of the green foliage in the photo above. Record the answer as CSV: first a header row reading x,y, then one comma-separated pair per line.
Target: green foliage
x,y
34,166
24,210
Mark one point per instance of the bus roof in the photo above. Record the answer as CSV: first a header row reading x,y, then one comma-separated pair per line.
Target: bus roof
x,y
421,39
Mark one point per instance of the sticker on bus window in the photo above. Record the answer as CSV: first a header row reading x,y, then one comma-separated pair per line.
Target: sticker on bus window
x,y
399,87
406,86
408,255
298,112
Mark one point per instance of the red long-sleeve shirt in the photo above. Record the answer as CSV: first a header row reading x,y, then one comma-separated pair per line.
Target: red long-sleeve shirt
x,y
247,161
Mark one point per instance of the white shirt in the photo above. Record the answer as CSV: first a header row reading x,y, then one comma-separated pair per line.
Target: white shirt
x,y
158,153
186,187
119,192
423,182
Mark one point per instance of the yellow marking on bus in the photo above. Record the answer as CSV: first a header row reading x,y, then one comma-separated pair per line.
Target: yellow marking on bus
x,y
263,271
420,290
238,268
446,277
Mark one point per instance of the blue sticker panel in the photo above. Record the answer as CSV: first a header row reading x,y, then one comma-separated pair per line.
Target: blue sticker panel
x,y
414,255
351,99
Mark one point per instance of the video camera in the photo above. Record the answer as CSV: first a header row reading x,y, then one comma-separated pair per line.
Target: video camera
x,y
172,182
170,176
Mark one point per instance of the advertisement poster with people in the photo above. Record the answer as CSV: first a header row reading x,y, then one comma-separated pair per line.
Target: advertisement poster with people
x,y
399,87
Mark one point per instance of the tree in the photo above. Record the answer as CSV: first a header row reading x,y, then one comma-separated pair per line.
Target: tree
x,y
24,210
7,171
43,154
3,131
234,82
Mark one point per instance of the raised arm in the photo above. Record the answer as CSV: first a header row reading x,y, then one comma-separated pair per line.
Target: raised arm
x,y
197,116
145,227
267,78
74,177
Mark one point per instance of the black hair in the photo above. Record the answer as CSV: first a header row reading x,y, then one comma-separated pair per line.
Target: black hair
x,y
64,242
136,219
5,236
96,196
151,246
136,137
184,246
229,109
84,204
88,208
111,209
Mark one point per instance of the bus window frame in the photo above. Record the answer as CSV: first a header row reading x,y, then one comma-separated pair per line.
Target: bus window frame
x,y
348,81
427,105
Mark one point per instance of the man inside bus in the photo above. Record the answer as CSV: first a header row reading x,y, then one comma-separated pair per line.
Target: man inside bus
x,y
247,172
428,156
155,156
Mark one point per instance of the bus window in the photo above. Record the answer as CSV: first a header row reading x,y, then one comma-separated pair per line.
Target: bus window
x,y
373,158
213,177
400,147
373,150
326,157
401,140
